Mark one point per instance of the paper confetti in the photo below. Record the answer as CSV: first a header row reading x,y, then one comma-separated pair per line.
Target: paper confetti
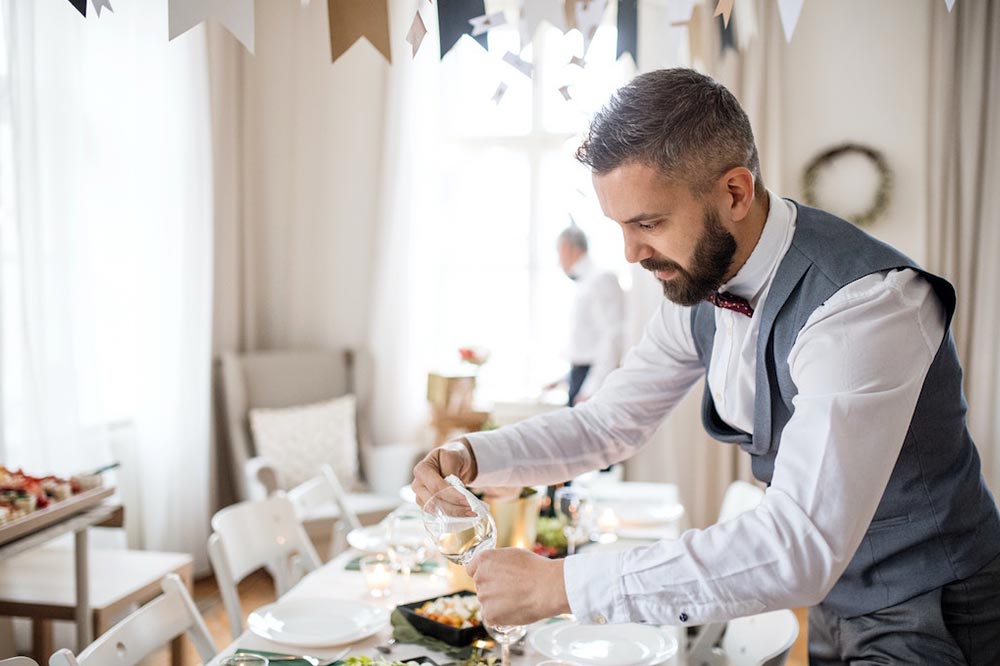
x,y
486,22
519,64
500,92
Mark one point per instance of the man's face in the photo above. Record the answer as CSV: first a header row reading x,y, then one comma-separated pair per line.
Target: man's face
x,y
681,240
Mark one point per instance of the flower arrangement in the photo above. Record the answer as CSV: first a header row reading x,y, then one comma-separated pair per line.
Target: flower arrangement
x,y
475,355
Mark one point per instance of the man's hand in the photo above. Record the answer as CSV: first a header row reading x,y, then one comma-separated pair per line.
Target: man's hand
x,y
515,586
451,458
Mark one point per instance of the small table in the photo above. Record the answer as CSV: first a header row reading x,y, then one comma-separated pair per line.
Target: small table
x,y
107,513
333,581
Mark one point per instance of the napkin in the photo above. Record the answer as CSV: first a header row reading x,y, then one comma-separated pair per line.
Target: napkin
x,y
424,567
404,632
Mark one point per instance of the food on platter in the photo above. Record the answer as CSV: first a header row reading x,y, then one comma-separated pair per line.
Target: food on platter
x,y
459,611
550,538
22,494
368,661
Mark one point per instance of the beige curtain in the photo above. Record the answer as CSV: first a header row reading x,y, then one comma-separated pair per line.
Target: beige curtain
x,y
963,199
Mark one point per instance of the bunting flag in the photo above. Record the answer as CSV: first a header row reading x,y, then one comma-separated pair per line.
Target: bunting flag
x,y
350,20
727,36
518,63
789,11
415,37
533,12
628,28
236,16
587,16
566,93
101,4
724,9
578,61
81,6
483,24
453,21
949,4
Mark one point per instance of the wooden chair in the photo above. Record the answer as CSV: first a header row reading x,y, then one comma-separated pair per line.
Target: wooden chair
x,y
39,585
259,534
143,632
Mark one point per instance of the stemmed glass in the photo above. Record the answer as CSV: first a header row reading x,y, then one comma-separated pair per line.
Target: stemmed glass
x,y
406,539
572,506
462,527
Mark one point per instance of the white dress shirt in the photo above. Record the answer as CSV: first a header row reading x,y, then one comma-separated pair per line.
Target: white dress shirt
x,y
596,323
859,364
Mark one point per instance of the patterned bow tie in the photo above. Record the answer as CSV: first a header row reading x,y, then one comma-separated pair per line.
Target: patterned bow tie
x,y
723,299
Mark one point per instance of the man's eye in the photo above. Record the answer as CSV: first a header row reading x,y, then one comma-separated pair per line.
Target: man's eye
x,y
647,225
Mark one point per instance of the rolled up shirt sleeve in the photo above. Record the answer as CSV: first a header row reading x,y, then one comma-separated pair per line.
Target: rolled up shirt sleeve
x,y
859,365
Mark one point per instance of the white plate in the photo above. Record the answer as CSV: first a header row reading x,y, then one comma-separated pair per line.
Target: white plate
x,y
317,622
605,644
369,539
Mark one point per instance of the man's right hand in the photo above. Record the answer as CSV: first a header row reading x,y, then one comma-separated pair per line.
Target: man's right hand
x,y
451,458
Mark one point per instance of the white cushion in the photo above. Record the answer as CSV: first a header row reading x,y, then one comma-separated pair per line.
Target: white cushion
x,y
297,440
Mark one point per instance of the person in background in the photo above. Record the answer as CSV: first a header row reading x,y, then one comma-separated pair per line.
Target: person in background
x,y
595,337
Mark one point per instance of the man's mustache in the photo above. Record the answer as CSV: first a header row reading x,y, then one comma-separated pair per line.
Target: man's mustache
x,y
660,265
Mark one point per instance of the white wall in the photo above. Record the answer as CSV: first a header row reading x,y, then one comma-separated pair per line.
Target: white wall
x,y
858,70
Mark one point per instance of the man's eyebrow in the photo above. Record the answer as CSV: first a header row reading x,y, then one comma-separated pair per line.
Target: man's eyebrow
x,y
642,217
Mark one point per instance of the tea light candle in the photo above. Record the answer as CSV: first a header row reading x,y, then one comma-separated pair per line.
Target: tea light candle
x,y
607,525
377,571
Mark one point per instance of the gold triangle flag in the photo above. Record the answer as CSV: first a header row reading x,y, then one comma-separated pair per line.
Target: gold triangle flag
x,y
724,9
351,20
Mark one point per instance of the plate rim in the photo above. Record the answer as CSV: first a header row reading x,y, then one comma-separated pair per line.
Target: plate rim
x,y
566,624
348,638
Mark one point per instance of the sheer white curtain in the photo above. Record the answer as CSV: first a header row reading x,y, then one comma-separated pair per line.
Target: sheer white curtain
x,y
963,200
107,252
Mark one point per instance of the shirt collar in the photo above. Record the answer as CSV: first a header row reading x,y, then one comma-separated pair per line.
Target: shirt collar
x,y
756,273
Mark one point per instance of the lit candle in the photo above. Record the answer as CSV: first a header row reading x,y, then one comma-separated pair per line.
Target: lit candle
x,y
377,571
607,525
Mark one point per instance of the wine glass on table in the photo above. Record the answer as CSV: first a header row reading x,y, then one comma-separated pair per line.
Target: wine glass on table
x,y
406,539
462,527
572,507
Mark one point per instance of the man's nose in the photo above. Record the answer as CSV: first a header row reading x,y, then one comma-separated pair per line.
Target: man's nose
x,y
636,250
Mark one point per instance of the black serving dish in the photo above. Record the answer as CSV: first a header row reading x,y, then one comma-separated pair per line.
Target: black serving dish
x,y
442,632
423,661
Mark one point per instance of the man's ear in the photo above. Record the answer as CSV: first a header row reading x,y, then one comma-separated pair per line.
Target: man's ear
x,y
739,185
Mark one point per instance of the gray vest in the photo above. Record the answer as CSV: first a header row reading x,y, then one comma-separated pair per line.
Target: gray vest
x,y
936,522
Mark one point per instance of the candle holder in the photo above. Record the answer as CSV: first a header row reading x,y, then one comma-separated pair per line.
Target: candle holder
x,y
377,571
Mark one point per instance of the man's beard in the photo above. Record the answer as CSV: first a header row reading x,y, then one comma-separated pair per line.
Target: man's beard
x,y
712,258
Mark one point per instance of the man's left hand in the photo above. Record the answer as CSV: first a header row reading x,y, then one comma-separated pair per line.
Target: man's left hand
x,y
518,587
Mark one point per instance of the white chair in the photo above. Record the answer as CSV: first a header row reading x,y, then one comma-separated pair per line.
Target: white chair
x,y
252,535
740,497
760,640
323,496
18,661
145,631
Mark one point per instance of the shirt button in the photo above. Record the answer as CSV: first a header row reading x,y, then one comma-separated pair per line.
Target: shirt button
x,y
683,617
600,619
718,396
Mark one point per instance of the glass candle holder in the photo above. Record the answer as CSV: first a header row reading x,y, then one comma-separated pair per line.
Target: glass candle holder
x,y
244,659
377,571
607,526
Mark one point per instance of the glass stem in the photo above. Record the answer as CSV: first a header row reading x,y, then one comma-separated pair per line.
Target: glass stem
x,y
505,654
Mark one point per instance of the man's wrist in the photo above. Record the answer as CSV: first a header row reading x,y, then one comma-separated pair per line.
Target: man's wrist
x,y
473,465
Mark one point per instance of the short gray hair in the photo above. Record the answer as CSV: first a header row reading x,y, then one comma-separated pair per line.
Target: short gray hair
x,y
684,123
574,236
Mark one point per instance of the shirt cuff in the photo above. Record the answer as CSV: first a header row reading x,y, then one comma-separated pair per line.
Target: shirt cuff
x,y
593,587
493,466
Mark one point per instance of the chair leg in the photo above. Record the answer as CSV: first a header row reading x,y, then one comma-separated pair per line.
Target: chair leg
x,y
41,639
177,651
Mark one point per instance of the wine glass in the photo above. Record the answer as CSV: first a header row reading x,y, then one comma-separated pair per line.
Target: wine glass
x,y
459,523
406,539
506,635
571,505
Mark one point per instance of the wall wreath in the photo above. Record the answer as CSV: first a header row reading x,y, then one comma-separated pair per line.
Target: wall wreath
x,y
819,164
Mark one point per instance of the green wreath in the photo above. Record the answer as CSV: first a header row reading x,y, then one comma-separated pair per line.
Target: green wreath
x,y
827,157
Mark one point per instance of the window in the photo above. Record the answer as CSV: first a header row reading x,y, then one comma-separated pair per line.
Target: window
x,y
509,184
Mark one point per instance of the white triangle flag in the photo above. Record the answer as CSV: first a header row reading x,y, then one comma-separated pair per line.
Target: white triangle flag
x,y
789,11
236,16
588,15
534,12
949,4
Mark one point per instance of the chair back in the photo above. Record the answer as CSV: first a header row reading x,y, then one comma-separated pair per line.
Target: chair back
x,y
285,379
760,639
323,490
18,661
145,631
740,497
256,534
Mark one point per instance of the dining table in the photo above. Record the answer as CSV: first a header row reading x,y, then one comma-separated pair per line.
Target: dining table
x,y
335,581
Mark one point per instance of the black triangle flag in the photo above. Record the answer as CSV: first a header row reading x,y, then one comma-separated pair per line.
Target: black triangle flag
x,y
81,5
453,21
628,28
